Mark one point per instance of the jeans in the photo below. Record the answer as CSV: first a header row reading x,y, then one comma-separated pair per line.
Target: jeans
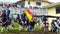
x,y
55,29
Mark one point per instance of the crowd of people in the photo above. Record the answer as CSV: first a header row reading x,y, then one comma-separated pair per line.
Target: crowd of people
x,y
21,19
24,21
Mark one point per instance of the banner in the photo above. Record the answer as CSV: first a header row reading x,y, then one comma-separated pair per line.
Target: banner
x,y
29,14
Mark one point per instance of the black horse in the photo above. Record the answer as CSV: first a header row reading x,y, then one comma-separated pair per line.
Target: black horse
x,y
4,18
5,21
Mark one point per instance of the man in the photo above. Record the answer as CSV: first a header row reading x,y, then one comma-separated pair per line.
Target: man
x,y
22,20
8,13
15,17
23,17
55,24
44,22
31,24
9,18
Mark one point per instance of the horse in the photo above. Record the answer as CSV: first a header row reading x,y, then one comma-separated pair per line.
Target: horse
x,y
4,18
5,21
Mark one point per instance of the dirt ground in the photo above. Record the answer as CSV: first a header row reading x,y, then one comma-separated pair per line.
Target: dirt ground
x,y
28,33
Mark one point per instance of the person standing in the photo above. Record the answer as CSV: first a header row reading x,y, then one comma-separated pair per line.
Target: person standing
x,y
8,13
55,24
44,22
23,17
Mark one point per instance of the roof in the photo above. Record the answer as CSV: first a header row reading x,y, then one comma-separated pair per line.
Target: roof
x,y
41,1
52,5
33,0
6,3
19,1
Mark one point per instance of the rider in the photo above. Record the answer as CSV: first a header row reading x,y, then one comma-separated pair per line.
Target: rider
x,y
3,19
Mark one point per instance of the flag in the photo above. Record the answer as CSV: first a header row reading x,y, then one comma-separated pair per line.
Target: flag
x,y
29,14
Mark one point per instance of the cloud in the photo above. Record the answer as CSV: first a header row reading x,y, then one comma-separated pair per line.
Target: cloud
x,y
19,0
14,1
54,1
1,0
9,0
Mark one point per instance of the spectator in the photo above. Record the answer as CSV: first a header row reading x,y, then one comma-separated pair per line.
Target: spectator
x,y
55,24
8,13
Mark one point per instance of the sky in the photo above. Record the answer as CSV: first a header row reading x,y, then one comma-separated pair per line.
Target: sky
x,y
9,1
18,0
54,1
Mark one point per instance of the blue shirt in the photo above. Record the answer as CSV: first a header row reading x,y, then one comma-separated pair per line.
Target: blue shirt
x,y
8,12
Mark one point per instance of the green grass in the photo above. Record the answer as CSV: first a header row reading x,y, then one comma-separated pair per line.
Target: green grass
x,y
16,28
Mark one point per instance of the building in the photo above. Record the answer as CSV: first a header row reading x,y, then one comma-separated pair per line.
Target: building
x,y
33,3
5,3
53,10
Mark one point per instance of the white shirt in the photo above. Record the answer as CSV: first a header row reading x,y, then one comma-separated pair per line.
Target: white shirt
x,y
56,25
58,21
15,16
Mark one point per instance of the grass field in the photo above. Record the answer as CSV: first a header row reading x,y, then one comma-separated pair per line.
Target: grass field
x,y
16,27
15,30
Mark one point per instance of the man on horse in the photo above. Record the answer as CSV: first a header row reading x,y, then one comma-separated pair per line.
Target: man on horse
x,y
5,18
4,24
